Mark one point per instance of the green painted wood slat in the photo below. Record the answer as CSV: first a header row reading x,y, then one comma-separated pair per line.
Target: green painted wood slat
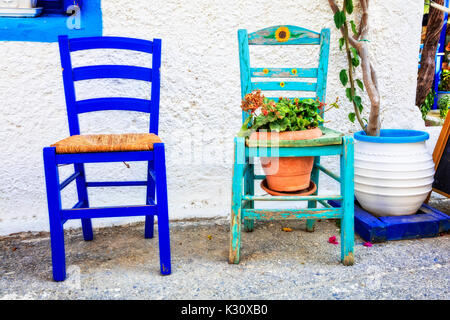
x,y
329,137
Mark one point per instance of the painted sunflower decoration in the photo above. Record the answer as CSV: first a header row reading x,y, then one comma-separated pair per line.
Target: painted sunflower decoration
x,y
282,34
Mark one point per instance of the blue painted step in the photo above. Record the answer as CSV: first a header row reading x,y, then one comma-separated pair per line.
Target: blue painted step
x,y
428,222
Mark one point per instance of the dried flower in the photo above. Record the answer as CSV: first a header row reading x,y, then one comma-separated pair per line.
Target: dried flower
x,y
252,101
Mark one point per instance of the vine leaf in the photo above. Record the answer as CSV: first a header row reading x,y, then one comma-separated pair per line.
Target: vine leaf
x,y
339,18
352,23
348,93
352,117
357,101
360,84
355,59
343,77
349,6
341,43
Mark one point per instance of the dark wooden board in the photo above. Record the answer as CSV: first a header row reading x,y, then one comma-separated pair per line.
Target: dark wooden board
x,y
442,176
441,158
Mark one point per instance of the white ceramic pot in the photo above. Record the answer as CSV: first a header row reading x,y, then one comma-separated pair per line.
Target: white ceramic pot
x,y
393,172
18,3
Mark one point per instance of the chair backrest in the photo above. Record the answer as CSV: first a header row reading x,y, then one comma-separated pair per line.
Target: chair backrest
x,y
70,75
284,35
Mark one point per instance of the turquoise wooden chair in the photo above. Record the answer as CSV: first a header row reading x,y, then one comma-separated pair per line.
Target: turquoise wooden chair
x,y
331,143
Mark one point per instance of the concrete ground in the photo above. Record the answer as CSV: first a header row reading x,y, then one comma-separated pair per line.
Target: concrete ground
x,y
121,264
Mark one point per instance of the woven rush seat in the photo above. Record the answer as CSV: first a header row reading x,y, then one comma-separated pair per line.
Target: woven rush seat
x,y
107,143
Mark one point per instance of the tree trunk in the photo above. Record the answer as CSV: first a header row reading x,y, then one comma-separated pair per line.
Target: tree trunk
x,y
369,74
427,63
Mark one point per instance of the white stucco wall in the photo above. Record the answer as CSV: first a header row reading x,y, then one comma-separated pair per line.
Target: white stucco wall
x,y
200,97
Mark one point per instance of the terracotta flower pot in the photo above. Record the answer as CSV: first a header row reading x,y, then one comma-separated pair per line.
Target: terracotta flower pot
x,y
287,173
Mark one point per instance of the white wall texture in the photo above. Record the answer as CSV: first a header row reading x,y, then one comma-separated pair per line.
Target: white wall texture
x,y
200,97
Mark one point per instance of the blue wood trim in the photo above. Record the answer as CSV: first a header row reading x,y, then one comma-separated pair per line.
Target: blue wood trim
x,y
79,204
66,182
70,158
69,87
291,198
244,66
366,225
347,191
410,227
442,218
294,152
107,212
116,184
323,66
327,172
54,210
152,174
162,209
150,196
249,189
156,86
293,214
300,98
284,72
284,86
47,27
427,222
439,58
236,200
89,43
112,71
121,103
310,223
324,203
86,224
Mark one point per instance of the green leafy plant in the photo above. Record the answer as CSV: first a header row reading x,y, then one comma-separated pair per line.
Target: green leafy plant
x,y
355,44
284,115
443,104
427,104
444,84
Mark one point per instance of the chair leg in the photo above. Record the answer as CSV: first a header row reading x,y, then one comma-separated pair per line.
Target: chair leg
x,y
249,188
54,207
347,190
162,209
86,224
149,220
236,201
313,204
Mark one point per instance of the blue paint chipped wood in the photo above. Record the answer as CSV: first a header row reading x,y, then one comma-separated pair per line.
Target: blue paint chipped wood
x,y
156,203
284,72
284,86
330,144
48,26
428,222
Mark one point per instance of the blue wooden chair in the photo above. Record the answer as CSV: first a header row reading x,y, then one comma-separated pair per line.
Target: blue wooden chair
x,y
79,149
331,143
